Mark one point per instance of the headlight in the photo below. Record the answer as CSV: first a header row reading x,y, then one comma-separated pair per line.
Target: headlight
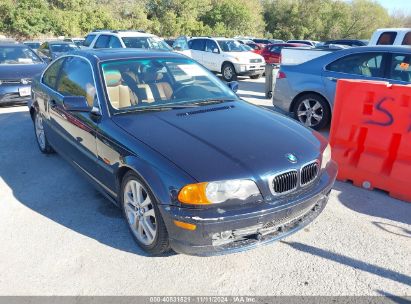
x,y
217,192
326,157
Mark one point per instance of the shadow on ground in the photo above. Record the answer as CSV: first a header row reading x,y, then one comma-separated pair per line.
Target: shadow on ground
x,y
50,186
350,262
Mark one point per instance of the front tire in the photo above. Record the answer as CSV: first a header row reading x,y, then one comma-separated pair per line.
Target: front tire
x,y
41,137
228,72
313,111
143,216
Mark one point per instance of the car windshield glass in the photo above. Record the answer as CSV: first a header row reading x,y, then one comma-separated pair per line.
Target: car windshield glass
x,y
18,55
62,48
140,84
231,46
146,43
33,45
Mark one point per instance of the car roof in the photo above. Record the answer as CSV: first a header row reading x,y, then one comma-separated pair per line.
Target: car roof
x,y
59,42
11,43
124,33
123,53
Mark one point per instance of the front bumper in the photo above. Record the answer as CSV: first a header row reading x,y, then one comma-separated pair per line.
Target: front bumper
x,y
267,222
249,69
10,94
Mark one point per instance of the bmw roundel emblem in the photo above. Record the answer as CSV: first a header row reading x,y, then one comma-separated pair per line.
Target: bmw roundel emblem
x,y
291,158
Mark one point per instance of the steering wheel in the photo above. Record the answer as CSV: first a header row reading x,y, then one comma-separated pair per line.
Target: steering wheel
x,y
178,90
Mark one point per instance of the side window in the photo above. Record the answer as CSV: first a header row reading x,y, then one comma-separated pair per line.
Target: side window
x,y
181,43
50,76
365,64
89,39
76,79
400,67
196,44
102,42
114,43
407,39
276,49
210,46
387,38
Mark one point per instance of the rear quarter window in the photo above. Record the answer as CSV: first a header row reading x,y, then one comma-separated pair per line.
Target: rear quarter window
x,y
407,39
387,38
89,39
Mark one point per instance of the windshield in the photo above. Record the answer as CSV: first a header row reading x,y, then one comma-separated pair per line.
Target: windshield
x,y
18,55
62,48
33,45
231,46
136,84
146,43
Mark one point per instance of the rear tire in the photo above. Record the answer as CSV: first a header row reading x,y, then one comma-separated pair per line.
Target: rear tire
x,y
41,137
313,111
228,72
143,216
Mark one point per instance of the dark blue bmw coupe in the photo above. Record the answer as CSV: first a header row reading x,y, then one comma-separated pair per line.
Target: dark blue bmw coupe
x,y
193,167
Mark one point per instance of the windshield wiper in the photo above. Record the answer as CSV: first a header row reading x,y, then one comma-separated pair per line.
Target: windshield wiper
x,y
159,108
214,101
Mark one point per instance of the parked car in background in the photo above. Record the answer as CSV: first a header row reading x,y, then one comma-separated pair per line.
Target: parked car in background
x,y
272,52
18,65
348,42
307,90
170,42
276,41
226,56
262,42
391,36
77,41
34,45
256,48
124,39
307,42
192,166
50,50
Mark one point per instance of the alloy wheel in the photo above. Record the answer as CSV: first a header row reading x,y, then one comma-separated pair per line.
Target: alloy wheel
x,y
139,211
228,72
310,112
41,138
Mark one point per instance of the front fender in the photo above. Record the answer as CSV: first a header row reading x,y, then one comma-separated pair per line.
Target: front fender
x,y
163,181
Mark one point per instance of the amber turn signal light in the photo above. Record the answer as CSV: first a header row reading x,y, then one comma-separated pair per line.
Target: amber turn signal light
x,y
186,226
194,194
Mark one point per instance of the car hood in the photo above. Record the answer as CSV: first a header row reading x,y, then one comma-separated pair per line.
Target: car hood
x,y
18,71
224,141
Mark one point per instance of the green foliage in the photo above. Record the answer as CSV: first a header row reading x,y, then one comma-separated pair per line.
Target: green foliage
x,y
324,19
285,19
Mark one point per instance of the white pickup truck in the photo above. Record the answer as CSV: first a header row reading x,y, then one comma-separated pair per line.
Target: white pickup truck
x,y
391,36
222,55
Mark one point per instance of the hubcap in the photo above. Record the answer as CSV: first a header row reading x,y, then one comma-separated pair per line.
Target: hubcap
x,y
310,112
140,213
38,123
228,72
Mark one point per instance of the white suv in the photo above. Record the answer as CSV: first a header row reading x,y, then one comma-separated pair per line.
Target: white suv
x,y
222,55
124,39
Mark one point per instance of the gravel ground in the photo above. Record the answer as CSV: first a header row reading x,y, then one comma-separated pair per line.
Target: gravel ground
x,y
60,237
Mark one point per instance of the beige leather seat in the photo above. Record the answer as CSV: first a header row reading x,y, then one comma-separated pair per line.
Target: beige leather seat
x,y
153,88
119,94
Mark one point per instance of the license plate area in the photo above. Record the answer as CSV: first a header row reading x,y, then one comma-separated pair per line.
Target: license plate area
x,y
25,91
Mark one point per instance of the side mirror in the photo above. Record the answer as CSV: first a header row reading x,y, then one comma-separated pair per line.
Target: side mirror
x,y
216,51
76,104
233,85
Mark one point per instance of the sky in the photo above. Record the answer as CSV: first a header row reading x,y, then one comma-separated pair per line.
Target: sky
x,y
399,5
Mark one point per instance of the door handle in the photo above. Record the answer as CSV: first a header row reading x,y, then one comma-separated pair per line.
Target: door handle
x,y
332,79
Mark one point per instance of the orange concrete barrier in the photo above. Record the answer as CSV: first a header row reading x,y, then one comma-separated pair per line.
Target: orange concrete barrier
x,y
371,135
